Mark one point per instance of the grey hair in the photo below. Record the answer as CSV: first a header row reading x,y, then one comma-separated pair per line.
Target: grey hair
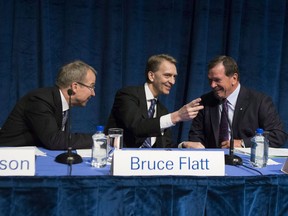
x,y
75,71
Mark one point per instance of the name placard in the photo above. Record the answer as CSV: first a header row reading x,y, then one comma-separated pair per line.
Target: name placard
x,y
163,162
285,167
17,161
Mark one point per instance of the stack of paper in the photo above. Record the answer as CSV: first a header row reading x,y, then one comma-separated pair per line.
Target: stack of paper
x,y
273,152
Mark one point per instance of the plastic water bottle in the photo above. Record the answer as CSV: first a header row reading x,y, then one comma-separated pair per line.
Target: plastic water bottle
x,y
99,148
259,149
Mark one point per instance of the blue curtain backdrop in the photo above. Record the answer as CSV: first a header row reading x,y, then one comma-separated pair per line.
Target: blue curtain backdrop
x,y
117,36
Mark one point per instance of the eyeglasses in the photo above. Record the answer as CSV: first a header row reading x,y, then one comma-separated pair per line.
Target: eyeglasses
x,y
92,88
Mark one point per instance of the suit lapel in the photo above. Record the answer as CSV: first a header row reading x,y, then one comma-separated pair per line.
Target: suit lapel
x,y
214,111
57,106
241,105
142,102
160,109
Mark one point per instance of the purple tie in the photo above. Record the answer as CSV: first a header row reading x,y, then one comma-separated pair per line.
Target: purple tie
x,y
223,127
147,142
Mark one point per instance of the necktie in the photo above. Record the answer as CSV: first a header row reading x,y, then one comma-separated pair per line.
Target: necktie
x,y
64,119
223,127
147,142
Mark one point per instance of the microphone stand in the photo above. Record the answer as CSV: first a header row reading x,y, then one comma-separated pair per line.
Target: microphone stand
x,y
69,157
231,159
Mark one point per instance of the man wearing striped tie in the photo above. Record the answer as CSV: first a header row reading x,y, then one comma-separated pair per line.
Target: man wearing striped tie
x,y
137,109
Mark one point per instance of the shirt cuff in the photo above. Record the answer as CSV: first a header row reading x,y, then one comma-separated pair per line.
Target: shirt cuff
x,y
242,143
166,122
180,145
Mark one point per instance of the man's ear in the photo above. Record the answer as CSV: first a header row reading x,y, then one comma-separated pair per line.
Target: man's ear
x,y
74,87
151,76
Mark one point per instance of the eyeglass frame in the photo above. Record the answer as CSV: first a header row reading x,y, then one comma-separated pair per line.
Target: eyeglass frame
x,y
91,88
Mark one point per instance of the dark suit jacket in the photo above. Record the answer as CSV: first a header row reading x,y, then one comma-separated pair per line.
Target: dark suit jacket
x,y
253,110
129,112
36,121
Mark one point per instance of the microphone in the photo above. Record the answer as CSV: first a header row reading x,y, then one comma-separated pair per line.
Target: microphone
x,y
70,93
69,157
232,159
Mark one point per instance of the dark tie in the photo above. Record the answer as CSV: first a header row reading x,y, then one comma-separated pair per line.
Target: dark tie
x,y
147,142
223,127
64,119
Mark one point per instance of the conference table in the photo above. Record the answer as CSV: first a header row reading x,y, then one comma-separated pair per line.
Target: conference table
x,y
94,191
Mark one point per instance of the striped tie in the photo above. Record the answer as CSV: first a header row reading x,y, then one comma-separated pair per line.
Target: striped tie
x,y
147,142
64,119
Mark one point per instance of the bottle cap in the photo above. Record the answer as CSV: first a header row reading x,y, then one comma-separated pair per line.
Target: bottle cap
x,y
259,130
100,128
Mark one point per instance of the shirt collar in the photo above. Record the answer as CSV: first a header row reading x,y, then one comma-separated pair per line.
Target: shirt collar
x,y
233,97
65,105
148,93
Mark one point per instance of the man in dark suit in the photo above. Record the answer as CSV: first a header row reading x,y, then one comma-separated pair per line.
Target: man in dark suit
x,y
247,110
131,105
38,118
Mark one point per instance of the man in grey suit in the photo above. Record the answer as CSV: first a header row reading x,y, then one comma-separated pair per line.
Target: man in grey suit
x,y
131,104
37,119
247,111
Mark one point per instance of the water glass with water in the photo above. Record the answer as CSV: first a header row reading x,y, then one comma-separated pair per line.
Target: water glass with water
x,y
99,149
115,136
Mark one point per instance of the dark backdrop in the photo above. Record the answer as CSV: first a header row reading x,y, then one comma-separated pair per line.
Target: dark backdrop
x,y
117,36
